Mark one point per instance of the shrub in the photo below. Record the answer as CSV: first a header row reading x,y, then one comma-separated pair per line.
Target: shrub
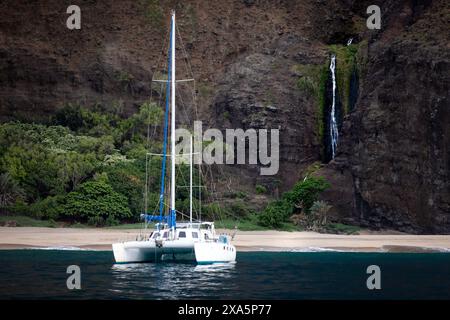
x,y
241,195
339,228
260,189
10,190
49,208
305,192
69,116
213,211
52,223
240,208
319,210
110,221
126,179
96,199
96,221
19,208
275,214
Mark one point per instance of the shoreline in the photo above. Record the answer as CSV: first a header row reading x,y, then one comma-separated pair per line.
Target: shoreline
x,y
12,238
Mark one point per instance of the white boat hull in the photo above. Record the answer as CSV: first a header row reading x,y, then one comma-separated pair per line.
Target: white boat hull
x,y
214,252
148,251
190,244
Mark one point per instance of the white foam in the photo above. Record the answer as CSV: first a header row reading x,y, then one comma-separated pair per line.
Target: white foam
x,y
440,249
64,248
316,249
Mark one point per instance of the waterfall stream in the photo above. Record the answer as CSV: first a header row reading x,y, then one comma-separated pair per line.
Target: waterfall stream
x,y
334,134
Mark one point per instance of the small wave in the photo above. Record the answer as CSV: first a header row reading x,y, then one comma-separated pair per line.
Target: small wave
x,y
306,249
440,249
63,248
316,249
414,249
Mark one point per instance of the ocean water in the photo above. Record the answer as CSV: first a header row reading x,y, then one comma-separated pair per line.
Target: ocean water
x,y
41,274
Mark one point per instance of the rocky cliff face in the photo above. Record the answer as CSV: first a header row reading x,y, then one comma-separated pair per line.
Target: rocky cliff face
x,y
391,169
393,155
44,65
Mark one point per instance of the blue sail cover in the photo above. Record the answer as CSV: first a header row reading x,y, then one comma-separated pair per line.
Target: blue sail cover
x,y
153,218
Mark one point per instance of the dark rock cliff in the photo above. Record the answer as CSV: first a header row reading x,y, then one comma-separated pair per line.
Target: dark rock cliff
x,y
392,166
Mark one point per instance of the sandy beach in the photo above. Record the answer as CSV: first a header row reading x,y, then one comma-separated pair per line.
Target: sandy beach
x,y
101,239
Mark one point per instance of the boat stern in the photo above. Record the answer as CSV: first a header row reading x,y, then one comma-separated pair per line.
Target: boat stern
x,y
214,252
119,251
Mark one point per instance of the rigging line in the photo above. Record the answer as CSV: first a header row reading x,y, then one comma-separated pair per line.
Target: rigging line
x,y
214,192
154,126
183,105
162,52
215,195
177,211
180,176
197,205
153,75
157,205
189,70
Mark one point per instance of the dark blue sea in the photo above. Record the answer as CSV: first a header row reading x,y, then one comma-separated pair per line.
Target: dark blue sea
x,y
41,274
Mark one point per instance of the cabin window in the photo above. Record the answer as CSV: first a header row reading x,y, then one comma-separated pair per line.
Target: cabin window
x,y
195,235
166,234
182,234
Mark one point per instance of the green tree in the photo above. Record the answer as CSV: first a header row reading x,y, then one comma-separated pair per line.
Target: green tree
x,y
49,208
70,116
10,190
305,192
96,198
73,168
275,214
127,179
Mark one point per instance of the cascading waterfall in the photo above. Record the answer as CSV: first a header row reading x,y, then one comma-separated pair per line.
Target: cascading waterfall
x,y
334,134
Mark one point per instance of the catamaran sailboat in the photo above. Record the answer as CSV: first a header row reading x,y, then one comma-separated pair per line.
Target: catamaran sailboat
x,y
170,240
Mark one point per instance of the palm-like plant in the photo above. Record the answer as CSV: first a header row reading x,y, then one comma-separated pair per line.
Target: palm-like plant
x,y
10,190
319,211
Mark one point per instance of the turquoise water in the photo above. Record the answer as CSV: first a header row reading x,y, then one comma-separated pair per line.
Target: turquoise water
x,y
41,274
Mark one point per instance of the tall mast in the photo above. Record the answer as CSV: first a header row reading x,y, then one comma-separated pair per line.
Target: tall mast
x,y
190,182
173,185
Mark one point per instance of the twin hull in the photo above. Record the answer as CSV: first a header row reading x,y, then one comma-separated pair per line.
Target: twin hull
x,y
150,251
